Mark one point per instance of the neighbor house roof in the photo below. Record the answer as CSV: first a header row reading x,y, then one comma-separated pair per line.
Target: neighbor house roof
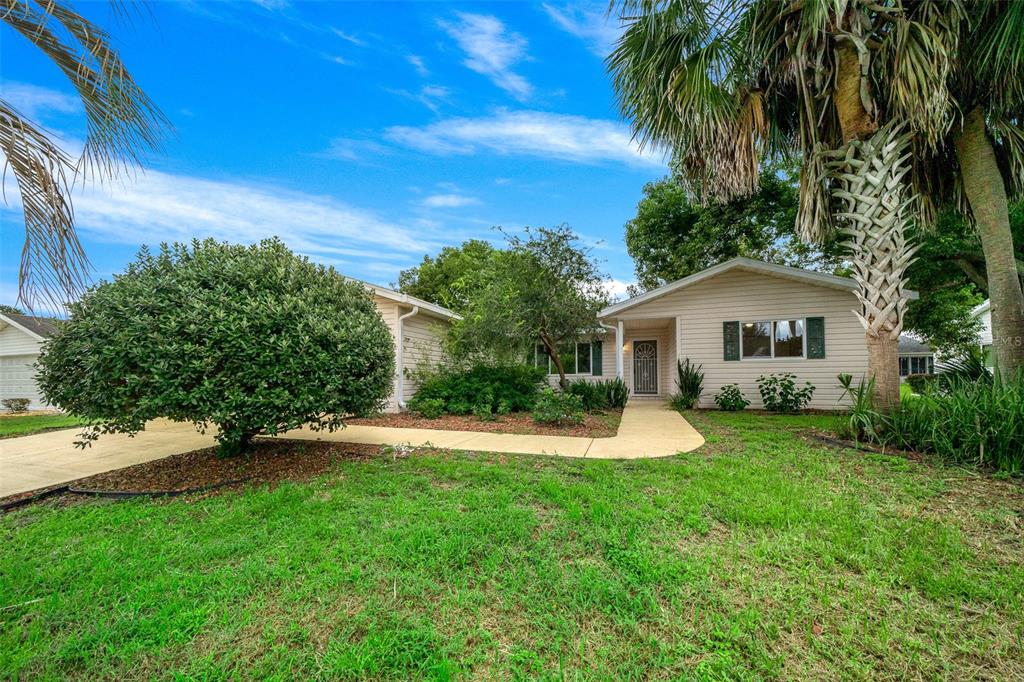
x,y
747,264
908,345
981,308
38,328
406,299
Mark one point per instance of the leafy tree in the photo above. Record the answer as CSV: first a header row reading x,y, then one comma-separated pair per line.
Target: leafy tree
x,y
451,277
673,236
10,310
123,125
253,339
546,289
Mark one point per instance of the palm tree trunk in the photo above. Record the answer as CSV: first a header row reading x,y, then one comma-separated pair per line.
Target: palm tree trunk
x,y
983,185
868,180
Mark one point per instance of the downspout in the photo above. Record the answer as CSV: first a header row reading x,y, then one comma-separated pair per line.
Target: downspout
x,y
400,359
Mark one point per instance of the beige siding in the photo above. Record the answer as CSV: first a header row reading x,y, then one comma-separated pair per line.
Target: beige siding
x,y
13,341
423,346
746,296
389,311
18,352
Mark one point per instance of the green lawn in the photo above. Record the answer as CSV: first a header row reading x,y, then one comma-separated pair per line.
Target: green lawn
x,y
762,555
34,423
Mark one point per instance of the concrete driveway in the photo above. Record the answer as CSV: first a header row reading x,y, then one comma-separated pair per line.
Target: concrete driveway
x,y
46,459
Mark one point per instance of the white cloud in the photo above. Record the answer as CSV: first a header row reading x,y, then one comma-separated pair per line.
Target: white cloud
x,y
158,207
449,201
36,102
591,25
430,96
491,50
617,289
417,63
335,59
355,40
349,149
529,133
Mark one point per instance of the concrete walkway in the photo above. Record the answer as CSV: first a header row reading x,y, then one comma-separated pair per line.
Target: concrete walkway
x,y
648,429
47,459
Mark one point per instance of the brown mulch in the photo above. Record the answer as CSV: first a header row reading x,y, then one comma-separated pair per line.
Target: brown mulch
x,y
270,461
594,425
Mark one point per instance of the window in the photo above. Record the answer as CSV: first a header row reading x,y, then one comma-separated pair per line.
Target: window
x,y
576,358
916,364
775,339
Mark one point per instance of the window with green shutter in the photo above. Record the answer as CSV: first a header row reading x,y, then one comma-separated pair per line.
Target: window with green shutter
x,y
731,340
595,349
815,338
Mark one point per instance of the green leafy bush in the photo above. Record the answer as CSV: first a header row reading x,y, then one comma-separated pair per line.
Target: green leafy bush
x,y
690,385
731,399
253,339
864,420
15,404
593,395
780,394
616,393
431,408
461,391
558,408
919,383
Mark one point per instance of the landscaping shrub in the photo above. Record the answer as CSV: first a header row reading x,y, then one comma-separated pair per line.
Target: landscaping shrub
x,y
253,339
864,420
431,408
15,404
462,391
593,395
919,383
616,393
558,408
780,394
690,384
731,399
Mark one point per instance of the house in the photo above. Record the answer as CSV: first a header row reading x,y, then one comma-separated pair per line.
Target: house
x,y
20,339
983,312
417,328
916,357
740,320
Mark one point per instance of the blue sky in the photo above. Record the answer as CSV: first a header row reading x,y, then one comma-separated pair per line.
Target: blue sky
x,y
364,135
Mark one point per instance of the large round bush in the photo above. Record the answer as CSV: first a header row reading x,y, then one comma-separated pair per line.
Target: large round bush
x,y
253,339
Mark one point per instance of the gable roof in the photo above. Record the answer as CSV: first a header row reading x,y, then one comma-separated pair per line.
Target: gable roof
x,y
406,299
740,263
909,345
39,328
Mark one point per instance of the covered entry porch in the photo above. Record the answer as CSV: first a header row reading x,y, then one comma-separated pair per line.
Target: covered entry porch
x,y
645,352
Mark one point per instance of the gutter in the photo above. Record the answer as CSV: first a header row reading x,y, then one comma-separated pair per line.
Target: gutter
x,y
400,359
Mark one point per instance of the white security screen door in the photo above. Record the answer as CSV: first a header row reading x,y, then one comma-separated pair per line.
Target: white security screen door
x,y
645,367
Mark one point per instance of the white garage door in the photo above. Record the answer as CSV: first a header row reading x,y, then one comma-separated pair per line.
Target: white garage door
x,y
16,379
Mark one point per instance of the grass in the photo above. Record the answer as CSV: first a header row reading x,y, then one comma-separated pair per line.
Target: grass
x,y
23,425
906,391
761,555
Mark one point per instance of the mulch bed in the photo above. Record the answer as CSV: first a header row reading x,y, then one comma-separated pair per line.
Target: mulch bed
x,y
270,461
594,425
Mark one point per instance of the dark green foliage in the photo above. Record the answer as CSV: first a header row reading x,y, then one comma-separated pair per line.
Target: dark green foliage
x,y
451,278
731,399
15,404
558,407
10,310
513,388
253,339
689,384
431,408
919,383
780,394
592,393
863,419
968,366
616,393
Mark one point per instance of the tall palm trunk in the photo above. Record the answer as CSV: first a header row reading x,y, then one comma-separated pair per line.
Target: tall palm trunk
x,y
867,175
983,185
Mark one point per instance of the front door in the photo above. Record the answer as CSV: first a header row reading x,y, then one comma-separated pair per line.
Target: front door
x,y
645,367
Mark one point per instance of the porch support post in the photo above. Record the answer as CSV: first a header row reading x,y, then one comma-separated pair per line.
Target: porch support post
x,y
619,333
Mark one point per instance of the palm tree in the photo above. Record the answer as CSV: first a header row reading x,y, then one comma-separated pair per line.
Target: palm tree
x,y
122,123
724,83
848,86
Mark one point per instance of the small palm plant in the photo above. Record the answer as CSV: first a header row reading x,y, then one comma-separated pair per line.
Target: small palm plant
x,y
690,384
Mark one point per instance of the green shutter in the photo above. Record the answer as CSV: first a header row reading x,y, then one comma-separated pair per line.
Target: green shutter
x,y
731,340
595,359
815,338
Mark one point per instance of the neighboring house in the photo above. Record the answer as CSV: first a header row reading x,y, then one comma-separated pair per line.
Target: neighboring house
x,y
417,327
740,320
20,339
983,312
916,357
